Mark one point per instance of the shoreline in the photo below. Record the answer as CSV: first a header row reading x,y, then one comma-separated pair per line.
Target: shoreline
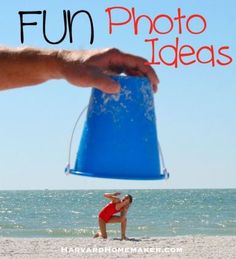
x,y
195,246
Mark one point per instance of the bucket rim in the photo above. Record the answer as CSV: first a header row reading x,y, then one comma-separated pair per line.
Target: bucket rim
x,y
87,174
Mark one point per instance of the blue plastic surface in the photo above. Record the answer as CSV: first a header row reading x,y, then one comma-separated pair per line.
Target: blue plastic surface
x,y
119,138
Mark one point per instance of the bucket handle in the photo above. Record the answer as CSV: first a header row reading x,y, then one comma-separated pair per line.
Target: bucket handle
x,y
68,169
165,171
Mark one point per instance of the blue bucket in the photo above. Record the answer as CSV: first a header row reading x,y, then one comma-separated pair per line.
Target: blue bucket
x,y
119,138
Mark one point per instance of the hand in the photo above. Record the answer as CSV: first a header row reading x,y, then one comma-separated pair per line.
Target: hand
x,y
92,67
116,193
126,208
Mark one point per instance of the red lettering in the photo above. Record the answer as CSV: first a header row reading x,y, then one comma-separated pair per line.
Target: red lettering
x,y
153,62
193,17
179,18
111,23
183,54
212,55
153,23
175,48
230,59
136,22
161,16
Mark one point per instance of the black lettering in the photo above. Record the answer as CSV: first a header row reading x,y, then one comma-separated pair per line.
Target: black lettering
x,y
70,24
22,23
44,29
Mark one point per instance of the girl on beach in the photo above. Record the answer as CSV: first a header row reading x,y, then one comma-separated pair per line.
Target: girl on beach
x,y
106,214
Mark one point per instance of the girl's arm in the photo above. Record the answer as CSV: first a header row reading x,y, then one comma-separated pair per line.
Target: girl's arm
x,y
108,195
122,204
124,211
112,196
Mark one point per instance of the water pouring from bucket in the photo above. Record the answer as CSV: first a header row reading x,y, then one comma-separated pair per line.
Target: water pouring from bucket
x,y
119,138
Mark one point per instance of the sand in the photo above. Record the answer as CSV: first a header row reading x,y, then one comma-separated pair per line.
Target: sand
x,y
155,247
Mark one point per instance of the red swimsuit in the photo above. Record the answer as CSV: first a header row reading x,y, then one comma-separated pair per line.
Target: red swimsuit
x,y
107,212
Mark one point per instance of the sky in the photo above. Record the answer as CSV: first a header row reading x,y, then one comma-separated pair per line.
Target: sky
x,y
195,105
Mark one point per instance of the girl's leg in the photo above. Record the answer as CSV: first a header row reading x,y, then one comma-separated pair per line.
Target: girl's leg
x,y
123,229
123,224
102,226
120,219
98,234
115,219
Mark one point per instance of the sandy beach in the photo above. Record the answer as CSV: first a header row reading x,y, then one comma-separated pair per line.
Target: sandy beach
x,y
155,247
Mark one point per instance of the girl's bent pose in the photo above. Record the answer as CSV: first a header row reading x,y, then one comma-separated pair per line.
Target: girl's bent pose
x,y
106,215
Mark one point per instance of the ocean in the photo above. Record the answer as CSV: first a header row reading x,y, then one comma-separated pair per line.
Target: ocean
x,y
73,213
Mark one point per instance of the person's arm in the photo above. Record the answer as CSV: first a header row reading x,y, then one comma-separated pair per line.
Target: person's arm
x,y
27,66
112,196
108,194
30,66
124,210
123,205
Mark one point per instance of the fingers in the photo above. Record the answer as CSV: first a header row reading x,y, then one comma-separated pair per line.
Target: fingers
x,y
104,83
115,61
90,76
132,65
136,65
